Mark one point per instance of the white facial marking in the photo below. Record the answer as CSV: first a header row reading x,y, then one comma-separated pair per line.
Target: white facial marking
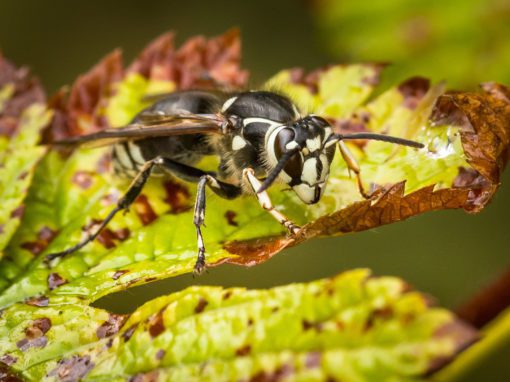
x,y
291,145
325,166
238,143
313,144
305,192
327,133
228,103
309,174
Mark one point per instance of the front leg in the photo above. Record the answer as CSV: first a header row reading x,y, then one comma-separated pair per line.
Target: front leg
x,y
265,202
352,165
225,190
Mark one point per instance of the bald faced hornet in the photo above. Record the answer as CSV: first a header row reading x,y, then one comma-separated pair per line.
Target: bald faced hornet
x,y
259,137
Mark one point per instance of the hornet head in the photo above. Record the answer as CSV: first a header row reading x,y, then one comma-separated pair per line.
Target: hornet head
x,y
301,155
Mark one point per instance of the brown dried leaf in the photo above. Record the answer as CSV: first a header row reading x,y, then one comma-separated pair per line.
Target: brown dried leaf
x,y
484,121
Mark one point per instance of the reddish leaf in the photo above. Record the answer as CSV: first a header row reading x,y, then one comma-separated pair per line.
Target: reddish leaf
x,y
157,60
26,91
198,63
80,113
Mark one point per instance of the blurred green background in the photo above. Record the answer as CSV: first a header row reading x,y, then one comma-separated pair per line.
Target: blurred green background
x,y
448,254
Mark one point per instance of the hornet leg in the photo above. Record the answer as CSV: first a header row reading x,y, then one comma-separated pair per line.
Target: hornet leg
x,y
127,199
265,202
187,173
352,165
225,190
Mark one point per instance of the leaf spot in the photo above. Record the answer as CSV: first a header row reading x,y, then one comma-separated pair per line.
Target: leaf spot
x,y
8,360
55,280
119,273
160,354
126,335
307,325
279,374
227,295
44,237
35,334
177,196
144,210
111,326
18,212
151,376
313,360
230,216
38,301
156,325
82,179
245,350
72,369
413,91
202,303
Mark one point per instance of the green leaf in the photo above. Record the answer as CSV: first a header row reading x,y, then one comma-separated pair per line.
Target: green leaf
x,y
351,327
423,37
22,118
48,328
156,239
340,89
17,166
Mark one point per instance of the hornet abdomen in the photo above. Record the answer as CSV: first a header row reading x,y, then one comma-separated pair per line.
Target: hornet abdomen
x,y
128,157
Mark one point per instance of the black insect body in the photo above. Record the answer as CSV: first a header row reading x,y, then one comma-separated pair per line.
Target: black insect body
x,y
259,136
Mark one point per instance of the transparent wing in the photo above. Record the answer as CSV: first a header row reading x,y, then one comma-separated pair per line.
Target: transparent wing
x,y
150,125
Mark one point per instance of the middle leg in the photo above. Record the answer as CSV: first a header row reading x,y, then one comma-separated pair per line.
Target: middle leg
x,y
192,174
225,190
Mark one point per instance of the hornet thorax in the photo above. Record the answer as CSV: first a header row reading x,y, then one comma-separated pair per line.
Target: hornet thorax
x,y
269,132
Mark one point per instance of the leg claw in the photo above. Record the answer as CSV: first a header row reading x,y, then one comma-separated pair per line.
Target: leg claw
x,y
293,229
199,267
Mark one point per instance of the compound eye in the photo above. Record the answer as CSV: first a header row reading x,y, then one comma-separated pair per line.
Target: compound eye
x,y
294,166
